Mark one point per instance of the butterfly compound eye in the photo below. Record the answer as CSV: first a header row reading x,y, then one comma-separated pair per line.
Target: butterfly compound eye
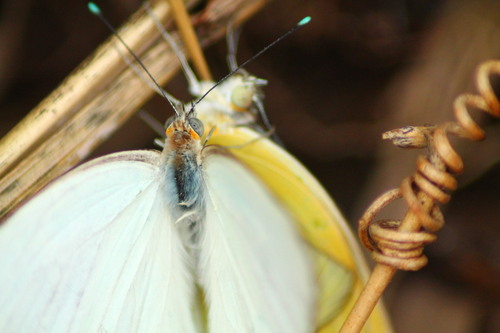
x,y
169,122
196,125
242,96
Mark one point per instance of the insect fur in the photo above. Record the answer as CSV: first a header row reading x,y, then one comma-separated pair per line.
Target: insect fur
x,y
181,161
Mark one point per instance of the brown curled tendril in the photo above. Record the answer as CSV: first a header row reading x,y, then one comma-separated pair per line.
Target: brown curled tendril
x,y
391,241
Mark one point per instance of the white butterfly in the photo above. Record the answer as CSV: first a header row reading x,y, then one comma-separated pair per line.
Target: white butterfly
x,y
121,244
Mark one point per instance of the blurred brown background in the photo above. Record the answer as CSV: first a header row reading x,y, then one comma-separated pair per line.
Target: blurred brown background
x,y
359,68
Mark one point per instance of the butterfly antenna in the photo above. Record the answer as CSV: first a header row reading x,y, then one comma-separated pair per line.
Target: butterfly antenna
x,y
188,72
301,23
94,9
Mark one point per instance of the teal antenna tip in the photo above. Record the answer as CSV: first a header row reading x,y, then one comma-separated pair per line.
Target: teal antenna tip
x,y
305,20
94,9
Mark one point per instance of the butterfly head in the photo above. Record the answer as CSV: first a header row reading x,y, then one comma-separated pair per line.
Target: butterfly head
x,y
184,128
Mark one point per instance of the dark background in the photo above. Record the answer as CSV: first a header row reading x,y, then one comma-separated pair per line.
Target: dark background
x,y
358,69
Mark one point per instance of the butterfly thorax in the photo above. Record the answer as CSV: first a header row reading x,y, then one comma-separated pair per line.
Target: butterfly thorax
x,y
184,178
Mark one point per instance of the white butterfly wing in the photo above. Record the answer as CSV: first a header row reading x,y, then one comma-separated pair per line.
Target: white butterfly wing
x,y
253,265
96,252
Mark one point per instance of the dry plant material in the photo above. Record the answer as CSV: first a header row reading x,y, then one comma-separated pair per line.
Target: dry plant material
x,y
96,99
398,244
190,40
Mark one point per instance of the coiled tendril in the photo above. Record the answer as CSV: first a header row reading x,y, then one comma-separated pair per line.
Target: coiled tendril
x,y
399,243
